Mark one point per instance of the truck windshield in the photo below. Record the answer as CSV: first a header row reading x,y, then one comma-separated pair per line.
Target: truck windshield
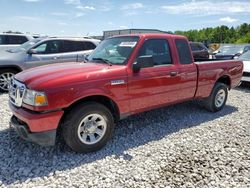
x,y
114,50
26,46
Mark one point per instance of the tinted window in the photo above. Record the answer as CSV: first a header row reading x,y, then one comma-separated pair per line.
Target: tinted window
x,y
197,47
74,46
194,47
69,46
159,49
183,51
16,39
2,39
50,47
202,46
89,46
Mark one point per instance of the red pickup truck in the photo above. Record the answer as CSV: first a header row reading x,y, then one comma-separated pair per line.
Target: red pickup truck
x,y
125,75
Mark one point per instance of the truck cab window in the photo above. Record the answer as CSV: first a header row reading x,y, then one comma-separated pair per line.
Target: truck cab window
x,y
159,49
183,51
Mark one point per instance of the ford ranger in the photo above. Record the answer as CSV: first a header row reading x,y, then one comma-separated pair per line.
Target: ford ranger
x,y
124,75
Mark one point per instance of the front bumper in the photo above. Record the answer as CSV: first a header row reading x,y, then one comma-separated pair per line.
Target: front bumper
x,y
46,138
37,121
34,126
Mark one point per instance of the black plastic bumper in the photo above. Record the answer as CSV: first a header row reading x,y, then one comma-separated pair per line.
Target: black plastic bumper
x,y
47,138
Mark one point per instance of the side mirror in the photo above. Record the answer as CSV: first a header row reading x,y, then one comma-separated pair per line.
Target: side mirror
x,y
143,62
32,51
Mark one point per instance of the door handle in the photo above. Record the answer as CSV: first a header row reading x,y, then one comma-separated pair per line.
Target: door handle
x,y
173,73
55,57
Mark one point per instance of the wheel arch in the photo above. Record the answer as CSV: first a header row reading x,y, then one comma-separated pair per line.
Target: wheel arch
x,y
14,67
225,79
101,99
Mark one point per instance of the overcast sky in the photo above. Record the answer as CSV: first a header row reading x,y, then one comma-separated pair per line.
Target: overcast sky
x,y
91,17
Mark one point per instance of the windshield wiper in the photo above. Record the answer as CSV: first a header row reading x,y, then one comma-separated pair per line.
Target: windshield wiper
x,y
103,60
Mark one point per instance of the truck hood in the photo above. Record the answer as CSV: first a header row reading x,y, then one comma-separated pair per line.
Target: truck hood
x,y
56,75
246,66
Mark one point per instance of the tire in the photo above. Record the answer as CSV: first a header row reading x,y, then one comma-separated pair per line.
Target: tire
x,y
85,123
217,99
5,76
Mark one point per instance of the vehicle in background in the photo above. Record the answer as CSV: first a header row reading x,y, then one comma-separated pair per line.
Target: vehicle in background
x,y
246,69
124,75
231,51
10,40
199,50
42,51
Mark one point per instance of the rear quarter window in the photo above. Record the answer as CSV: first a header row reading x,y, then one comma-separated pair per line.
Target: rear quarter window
x,y
183,50
89,46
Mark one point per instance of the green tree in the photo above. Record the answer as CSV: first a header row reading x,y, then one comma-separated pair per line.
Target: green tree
x,y
220,34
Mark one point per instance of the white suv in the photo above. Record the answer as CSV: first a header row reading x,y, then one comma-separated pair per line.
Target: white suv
x,y
10,40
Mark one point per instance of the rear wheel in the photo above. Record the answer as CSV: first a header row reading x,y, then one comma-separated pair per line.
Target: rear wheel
x,y
5,77
217,99
88,127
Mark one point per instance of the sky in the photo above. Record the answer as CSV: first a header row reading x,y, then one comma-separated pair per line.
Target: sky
x,y
92,17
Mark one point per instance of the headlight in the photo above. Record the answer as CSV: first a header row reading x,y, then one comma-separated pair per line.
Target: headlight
x,y
35,98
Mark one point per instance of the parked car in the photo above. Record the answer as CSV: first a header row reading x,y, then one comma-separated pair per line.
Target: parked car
x,y
199,50
85,100
231,51
42,51
246,70
9,41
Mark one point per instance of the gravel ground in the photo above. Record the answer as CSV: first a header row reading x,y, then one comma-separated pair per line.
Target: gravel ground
x,y
178,146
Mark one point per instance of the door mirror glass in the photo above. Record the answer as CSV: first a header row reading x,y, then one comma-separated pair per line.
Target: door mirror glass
x,y
143,62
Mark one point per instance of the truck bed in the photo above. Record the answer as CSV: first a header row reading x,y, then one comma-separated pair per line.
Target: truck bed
x,y
210,71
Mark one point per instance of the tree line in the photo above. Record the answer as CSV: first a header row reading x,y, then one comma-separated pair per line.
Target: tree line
x,y
220,34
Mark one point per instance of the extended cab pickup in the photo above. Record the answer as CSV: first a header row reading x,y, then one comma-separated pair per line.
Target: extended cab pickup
x,y
124,75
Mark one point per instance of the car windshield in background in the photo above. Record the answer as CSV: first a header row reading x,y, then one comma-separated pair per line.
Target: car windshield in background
x,y
26,46
231,49
114,50
245,56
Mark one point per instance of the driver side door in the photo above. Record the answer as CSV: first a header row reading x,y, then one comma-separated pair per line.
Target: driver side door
x,y
157,85
48,52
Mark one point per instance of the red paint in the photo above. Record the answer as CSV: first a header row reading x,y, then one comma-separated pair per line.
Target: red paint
x,y
65,84
37,122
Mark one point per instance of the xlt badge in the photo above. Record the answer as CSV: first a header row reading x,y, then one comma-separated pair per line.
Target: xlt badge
x,y
117,82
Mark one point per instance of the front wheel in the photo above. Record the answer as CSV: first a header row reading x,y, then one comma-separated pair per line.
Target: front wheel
x,y
217,99
5,77
88,127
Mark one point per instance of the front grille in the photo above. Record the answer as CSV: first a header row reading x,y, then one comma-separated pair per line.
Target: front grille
x,y
16,92
247,74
